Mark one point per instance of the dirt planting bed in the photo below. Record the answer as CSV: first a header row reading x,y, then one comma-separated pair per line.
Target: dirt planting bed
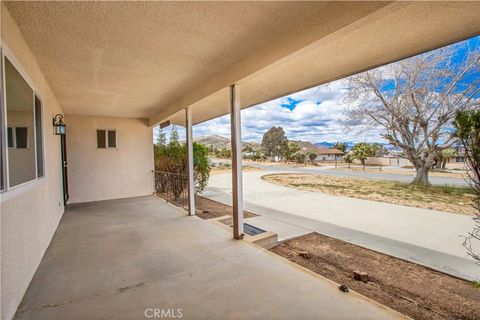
x,y
210,209
443,198
411,289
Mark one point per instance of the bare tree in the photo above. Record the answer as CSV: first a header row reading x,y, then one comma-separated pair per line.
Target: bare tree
x,y
415,101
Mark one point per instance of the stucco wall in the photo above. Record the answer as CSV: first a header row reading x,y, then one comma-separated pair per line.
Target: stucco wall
x,y
327,157
100,174
383,161
30,213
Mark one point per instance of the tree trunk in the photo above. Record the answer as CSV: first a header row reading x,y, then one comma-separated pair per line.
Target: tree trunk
x,y
421,175
444,163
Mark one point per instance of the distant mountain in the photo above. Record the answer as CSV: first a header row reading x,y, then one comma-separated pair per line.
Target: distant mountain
x,y
215,140
324,144
350,145
218,142
305,146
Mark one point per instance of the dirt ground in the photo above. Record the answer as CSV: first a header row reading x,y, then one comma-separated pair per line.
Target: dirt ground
x,y
409,288
210,209
449,199
222,170
448,174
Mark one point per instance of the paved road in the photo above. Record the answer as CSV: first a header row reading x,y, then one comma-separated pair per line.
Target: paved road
x,y
429,237
331,171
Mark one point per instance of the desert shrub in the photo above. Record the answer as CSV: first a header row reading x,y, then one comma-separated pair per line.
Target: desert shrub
x,y
299,157
201,167
348,158
172,158
311,156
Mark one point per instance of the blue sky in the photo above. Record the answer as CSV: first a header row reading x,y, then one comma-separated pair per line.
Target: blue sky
x,y
313,115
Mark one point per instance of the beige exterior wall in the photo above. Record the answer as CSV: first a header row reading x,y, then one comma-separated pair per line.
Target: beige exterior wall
x,y
384,161
100,174
327,157
379,161
456,165
29,213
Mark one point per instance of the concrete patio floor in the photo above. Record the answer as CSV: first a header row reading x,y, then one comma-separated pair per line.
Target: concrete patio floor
x,y
115,259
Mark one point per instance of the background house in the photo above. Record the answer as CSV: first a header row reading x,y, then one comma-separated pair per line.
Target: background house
x,y
324,154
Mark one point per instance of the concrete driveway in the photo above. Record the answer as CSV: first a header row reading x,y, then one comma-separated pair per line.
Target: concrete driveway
x,y
331,171
428,237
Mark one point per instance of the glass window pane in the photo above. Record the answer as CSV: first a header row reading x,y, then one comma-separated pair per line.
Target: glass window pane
x,y
112,139
19,100
101,143
39,136
21,137
10,137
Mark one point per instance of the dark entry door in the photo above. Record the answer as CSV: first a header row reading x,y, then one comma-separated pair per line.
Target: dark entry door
x,y
63,143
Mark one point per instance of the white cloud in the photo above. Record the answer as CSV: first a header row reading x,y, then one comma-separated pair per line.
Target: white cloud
x,y
318,117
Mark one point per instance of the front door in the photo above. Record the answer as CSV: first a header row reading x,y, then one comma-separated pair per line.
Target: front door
x,y
63,143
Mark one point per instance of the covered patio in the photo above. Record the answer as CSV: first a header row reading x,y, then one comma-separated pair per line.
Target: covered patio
x,y
113,70
124,259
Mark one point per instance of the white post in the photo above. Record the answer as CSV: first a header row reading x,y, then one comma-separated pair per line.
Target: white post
x,y
191,181
237,185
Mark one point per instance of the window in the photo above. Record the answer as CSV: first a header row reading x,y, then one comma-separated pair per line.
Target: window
x,y
22,110
112,139
11,135
17,137
106,139
101,142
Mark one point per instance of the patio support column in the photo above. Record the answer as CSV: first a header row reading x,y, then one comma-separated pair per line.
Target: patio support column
x,y
237,184
191,181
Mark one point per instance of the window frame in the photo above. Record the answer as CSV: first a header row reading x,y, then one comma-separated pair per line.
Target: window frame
x,y
107,139
36,95
6,192
3,132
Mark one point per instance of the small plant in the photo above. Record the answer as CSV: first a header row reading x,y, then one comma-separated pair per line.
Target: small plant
x,y
172,158
312,156
476,284
299,157
362,151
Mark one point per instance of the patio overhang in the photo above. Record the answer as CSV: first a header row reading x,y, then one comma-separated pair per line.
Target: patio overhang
x,y
385,34
153,59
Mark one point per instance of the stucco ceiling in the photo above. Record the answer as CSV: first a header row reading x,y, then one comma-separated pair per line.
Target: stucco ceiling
x,y
129,58
151,59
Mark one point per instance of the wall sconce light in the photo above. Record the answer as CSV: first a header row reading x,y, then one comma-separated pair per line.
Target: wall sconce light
x,y
58,125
